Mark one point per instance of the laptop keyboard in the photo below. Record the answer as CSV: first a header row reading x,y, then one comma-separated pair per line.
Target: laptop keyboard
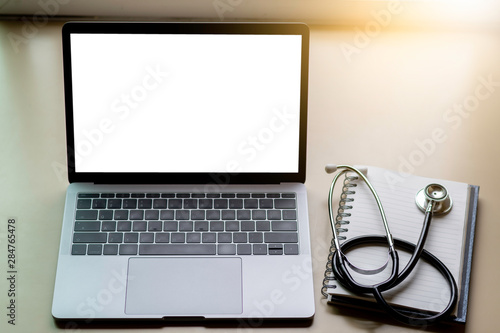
x,y
185,224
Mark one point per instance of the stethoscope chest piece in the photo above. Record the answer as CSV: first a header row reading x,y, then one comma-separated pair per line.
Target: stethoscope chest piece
x,y
437,193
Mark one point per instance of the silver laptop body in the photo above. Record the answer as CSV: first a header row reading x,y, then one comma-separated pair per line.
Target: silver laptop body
x,y
186,161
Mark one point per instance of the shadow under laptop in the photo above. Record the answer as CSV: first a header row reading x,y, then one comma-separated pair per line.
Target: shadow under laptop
x,y
252,323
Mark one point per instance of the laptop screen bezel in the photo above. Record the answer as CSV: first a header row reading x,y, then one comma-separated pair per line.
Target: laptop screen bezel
x,y
184,28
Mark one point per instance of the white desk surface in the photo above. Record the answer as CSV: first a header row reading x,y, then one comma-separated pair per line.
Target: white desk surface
x,y
372,102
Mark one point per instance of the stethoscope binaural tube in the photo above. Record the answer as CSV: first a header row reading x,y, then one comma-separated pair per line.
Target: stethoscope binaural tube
x,y
433,193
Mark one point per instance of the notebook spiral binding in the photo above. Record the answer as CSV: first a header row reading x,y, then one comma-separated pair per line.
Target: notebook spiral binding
x,y
340,226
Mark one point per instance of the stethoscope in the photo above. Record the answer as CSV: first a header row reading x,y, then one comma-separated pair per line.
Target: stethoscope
x,y
432,199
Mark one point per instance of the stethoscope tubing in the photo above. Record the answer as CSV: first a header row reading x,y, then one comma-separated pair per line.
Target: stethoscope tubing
x,y
339,266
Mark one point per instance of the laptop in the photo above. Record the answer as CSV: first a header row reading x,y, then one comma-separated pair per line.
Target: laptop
x,y
186,147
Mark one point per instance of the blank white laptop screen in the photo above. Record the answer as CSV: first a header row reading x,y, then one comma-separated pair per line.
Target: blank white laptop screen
x,y
186,103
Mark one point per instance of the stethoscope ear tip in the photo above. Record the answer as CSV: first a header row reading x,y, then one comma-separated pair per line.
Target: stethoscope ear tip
x,y
330,168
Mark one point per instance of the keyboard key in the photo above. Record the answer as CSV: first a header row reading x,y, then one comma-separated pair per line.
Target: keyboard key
x,y
178,237
186,226
226,249
255,237
274,214
263,225
79,249
236,203
182,215
205,204
284,203
123,195
115,203
94,249
258,214
90,237
147,237
247,225
281,237
243,215
83,203
115,238
274,195
190,204
228,195
224,237
220,203
128,249
239,237
131,237
193,237
291,249
244,249
162,237
232,226
159,203
105,215
284,225
289,215
110,249
121,214
139,226
99,203
175,203
201,226
88,226
200,215
259,249
130,203
275,249
170,226
208,237
155,226
166,215
177,249
124,226
107,195
228,215
288,195
88,195
217,226
152,195
136,214
152,215
86,214
213,214
144,203
108,226
251,203
266,203
137,195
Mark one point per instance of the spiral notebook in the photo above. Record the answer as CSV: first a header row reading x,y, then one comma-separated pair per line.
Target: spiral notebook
x,y
450,239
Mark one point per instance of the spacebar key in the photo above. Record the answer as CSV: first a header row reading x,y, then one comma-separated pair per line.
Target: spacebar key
x,y
177,249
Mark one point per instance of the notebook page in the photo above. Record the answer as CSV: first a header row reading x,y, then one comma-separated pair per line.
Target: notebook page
x,y
425,288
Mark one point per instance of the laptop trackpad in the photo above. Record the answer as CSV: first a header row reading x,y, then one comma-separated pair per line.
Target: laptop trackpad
x,y
184,286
